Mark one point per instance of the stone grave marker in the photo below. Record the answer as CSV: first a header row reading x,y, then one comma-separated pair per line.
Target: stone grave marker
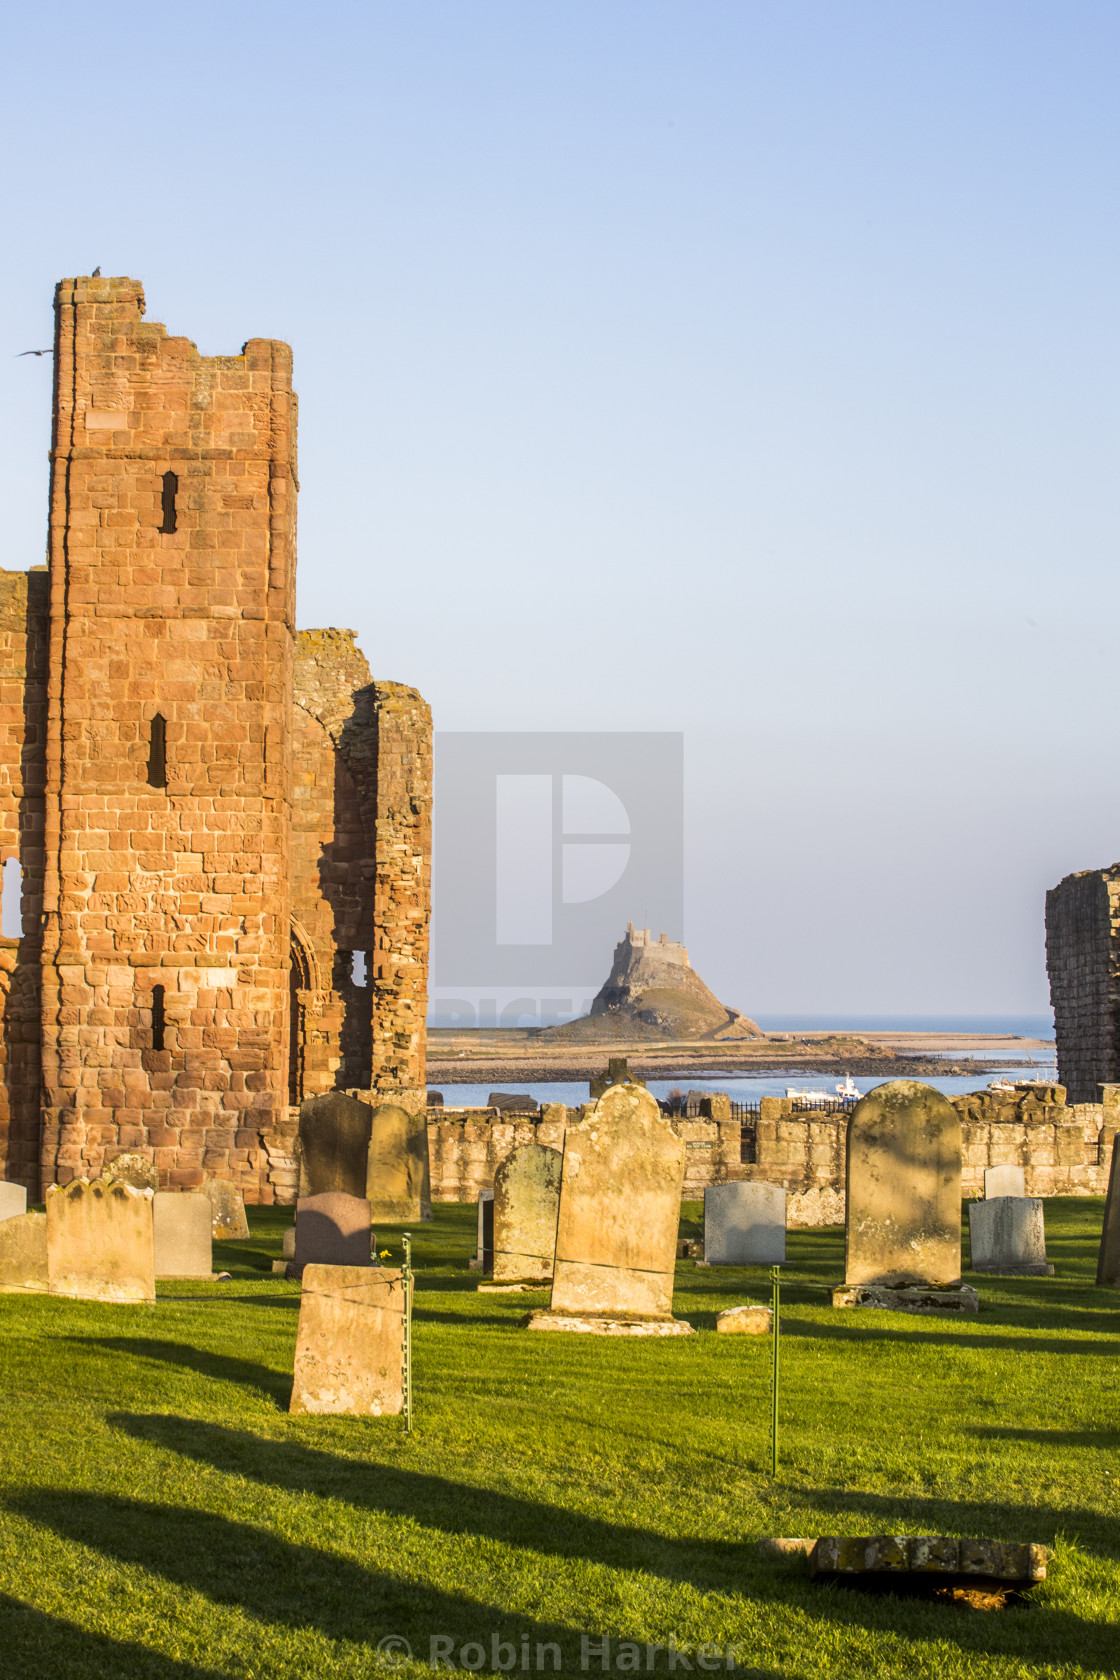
x,y
745,1224
484,1251
350,1342
398,1178
1108,1259
23,1254
182,1221
333,1229
136,1170
334,1133
13,1200
1007,1235
229,1223
100,1241
526,1204
620,1202
1005,1180
903,1190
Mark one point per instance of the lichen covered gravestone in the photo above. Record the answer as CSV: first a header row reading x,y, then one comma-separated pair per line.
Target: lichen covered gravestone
x,y
13,1200
1108,1258
1005,1180
182,1229
333,1229
23,1254
526,1206
228,1223
350,1342
100,1242
334,1132
398,1179
1007,1235
136,1170
620,1194
903,1191
744,1224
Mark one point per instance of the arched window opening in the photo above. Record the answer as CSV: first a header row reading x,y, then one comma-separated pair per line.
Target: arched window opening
x,y
157,753
11,900
159,1020
170,491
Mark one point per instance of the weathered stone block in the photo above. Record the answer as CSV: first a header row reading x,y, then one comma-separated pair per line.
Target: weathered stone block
x,y
182,1233
13,1201
1007,1235
101,1242
350,1341
1005,1180
229,1223
333,1229
398,1176
744,1321
132,1169
23,1254
745,1224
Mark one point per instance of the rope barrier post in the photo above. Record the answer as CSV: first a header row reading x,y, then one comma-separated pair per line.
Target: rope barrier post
x,y
407,1282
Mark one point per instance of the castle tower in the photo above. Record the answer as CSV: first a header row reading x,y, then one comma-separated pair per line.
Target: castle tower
x,y
168,799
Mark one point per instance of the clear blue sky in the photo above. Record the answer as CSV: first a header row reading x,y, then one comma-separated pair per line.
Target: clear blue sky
x,y
743,369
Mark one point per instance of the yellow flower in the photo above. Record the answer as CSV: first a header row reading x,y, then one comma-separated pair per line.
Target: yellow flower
x,y
384,1255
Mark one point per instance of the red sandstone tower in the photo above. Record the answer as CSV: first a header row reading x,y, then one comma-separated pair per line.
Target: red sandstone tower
x,y
168,782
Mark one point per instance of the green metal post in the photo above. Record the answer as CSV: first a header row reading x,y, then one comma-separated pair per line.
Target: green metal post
x,y
406,1282
776,1336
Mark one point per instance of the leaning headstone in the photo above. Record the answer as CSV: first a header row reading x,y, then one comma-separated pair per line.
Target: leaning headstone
x,y
398,1177
1108,1259
13,1200
620,1203
228,1223
1005,1180
182,1221
745,1224
903,1190
23,1254
333,1229
100,1241
334,1132
350,1342
136,1170
526,1205
1008,1235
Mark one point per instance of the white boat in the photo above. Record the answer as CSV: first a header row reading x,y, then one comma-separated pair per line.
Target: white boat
x,y
848,1090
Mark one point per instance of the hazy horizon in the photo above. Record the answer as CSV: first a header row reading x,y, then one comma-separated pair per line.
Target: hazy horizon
x,y
742,371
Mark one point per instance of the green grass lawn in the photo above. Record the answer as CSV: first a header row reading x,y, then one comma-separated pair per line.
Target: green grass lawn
x,y
163,1516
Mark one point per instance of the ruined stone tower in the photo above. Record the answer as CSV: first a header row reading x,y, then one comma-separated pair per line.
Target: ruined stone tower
x,y
1083,962
161,996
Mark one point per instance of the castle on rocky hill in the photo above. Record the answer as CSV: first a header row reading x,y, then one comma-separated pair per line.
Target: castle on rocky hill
x,y
216,831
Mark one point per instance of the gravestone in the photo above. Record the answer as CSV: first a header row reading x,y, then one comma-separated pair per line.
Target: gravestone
x,y
13,1200
398,1179
620,1203
229,1223
1108,1259
1006,1180
23,1254
334,1133
100,1241
484,1250
350,1342
1007,1235
136,1170
526,1205
181,1224
903,1190
745,1224
333,1229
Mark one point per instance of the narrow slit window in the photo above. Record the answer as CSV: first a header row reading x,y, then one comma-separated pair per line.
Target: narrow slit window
x,y
157,753
170,491
359,968
11,900
158,1019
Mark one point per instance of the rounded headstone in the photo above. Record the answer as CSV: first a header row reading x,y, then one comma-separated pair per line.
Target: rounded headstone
x,y
903,1191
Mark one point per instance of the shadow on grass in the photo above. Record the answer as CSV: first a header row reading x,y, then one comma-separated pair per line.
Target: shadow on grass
x,y
965,1338
36,1646
1107,1438
279,1582
711,1566
274,1385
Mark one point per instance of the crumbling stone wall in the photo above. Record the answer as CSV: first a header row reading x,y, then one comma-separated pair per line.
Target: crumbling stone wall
x,y
170,598
1083,962
23,707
